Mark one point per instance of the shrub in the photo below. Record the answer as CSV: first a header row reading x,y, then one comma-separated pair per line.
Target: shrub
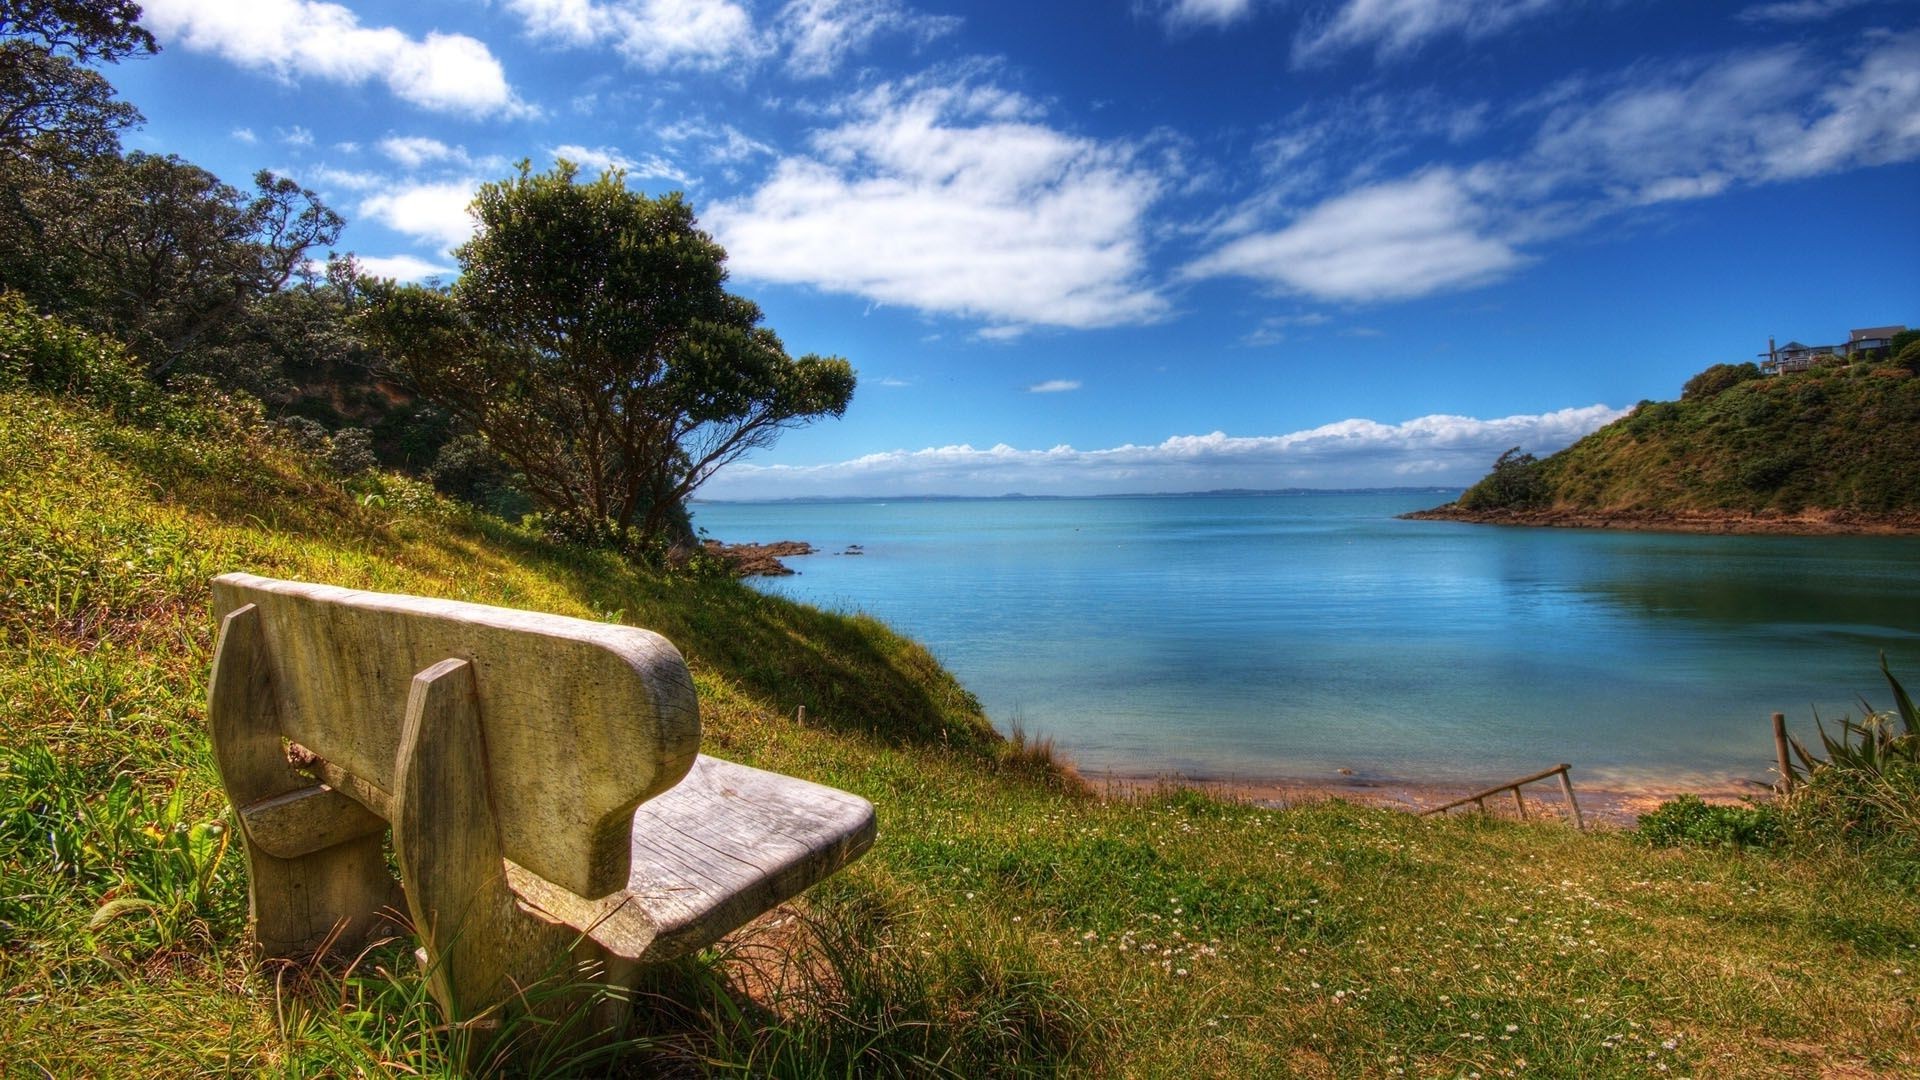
x,y
1717,380
1514,484
350,452
1865,793
1688,820
49,354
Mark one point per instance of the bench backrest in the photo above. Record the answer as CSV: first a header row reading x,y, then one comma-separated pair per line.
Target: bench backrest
x,y
582,721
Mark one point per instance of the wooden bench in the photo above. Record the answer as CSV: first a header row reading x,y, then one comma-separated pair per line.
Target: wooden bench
x,y
541,775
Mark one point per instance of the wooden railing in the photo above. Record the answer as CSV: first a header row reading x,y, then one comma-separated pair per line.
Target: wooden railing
x,y
1479,798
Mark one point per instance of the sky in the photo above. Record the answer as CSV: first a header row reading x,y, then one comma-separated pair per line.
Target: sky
x,y
1141,245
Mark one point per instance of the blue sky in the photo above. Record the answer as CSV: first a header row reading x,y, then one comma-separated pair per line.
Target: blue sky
x,y
1147,245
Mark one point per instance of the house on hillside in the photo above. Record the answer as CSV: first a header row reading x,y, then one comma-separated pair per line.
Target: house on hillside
x,y
1793,356
1872,337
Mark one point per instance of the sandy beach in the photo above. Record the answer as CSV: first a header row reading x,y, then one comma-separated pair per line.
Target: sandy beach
x,y
1604,805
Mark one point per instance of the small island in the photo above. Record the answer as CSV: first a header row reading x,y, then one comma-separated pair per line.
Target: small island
x,y
1822,440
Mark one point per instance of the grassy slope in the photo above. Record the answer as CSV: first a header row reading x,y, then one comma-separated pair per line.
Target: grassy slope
x,y
1003,922
1845,440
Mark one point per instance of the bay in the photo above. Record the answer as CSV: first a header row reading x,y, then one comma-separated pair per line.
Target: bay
x,y
1292,636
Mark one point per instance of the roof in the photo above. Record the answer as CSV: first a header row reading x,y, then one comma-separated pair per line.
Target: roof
x,y
1873,332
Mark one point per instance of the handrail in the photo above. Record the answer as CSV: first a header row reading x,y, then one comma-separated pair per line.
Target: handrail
x,y
1479,798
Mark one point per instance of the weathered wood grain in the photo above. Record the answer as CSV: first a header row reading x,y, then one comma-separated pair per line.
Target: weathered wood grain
x,y
521,760
730,842
329,895
582,720
481,949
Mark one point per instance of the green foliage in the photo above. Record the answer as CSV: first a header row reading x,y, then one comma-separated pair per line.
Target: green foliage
x,y
1865,791
1516,483
52,106
1688,820
50,354
350,452
1717,379
591,341
1907,357
1816,442
158,251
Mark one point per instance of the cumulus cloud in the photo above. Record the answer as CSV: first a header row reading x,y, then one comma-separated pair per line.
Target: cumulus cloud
x,y
1054,386
701,35
1386,241
821,34
310,39
1427,451
1396,28
403,267
956,200
413,151
432,213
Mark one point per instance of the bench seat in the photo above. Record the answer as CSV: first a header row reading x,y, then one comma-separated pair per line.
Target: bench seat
x,y
712,853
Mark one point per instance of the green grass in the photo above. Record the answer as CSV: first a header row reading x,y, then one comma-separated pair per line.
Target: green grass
x,y
1006,922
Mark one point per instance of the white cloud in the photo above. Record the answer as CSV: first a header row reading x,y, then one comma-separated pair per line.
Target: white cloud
x,y
295,135
1184,14
1395,28
1054,386
1429,450
1798,11
403,267
703,35
598,159
1601,148
245,135
821,34
413,151
312,39
1388,241
717,144
955,200
1779,114
434,213
327,176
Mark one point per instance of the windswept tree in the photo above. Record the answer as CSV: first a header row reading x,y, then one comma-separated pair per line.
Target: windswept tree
x,y
591,340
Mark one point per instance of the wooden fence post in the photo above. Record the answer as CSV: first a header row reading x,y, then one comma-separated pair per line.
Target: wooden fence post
x,y
1780,751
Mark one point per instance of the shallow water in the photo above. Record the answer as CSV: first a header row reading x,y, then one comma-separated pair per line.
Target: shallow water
x,y
1298,635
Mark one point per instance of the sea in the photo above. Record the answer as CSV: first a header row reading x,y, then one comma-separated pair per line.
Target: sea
x,y
1309,636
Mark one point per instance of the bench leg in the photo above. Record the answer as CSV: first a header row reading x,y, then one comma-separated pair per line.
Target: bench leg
x,y
483,952
300,900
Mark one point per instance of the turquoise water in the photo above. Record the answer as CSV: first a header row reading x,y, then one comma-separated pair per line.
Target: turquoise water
x,y
1292,636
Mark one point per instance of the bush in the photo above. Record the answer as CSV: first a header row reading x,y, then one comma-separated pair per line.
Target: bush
x,y
1688,820
1514,484
1865,793
49,354
350,452
1717,380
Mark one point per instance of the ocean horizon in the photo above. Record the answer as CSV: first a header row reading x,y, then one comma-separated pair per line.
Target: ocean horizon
x,y
1304,634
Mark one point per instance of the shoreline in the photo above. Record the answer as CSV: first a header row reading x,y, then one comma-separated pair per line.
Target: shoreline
x,y
1610,805
1808,523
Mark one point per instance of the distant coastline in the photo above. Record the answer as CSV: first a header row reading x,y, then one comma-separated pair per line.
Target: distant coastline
x,y
1805,523
1215,493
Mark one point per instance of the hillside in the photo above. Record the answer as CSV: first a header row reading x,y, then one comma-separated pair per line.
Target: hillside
x,y
1830,449
1007,922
